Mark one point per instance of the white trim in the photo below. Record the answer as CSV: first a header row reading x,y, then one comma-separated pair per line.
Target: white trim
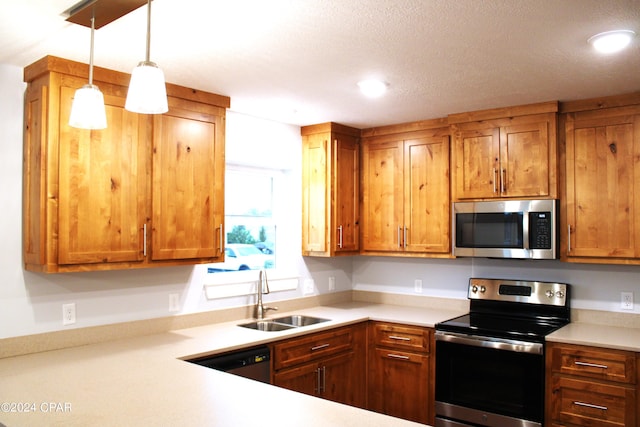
x,y
240,288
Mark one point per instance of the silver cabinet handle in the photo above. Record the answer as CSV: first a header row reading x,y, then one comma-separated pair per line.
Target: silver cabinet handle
x,y
323,386
340,237
221,239
319,347
318,388
397,356
503,176
399,241
591,365
495,178
144,240
405,236
395,337
568,238
590,405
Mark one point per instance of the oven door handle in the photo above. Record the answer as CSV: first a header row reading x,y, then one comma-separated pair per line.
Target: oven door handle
x,y
490,342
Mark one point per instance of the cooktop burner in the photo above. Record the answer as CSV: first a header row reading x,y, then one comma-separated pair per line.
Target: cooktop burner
x,y
500,326
517,310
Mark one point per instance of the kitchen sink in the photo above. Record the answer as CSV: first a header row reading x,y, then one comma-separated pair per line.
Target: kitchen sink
x,y
298,320
283,323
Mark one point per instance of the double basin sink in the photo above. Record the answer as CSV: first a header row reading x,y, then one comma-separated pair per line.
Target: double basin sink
x,y
283,323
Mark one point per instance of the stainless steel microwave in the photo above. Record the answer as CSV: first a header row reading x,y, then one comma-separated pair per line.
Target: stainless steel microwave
x,y
525,229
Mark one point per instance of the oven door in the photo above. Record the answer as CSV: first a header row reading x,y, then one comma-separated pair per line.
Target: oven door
x,y
488,382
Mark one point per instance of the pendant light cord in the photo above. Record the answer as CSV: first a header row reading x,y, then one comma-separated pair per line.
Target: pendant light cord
x,y
93,21
148,30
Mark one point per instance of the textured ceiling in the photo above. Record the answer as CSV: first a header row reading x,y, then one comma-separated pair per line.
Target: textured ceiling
x,y
298,61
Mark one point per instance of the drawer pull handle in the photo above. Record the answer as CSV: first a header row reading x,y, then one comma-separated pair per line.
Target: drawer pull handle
x,y
397,338
591,365
319,347
398,356
589,405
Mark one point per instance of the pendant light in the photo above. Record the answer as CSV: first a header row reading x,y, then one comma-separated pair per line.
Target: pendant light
x,y
147,90
87,109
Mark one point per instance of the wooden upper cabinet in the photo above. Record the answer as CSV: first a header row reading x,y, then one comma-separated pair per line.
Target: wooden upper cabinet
x,y
145,191
602,203
188,182
405,191
330,190
382,195
102,184
506,152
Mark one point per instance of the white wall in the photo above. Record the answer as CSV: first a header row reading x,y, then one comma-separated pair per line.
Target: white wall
x,y
594,287
32,303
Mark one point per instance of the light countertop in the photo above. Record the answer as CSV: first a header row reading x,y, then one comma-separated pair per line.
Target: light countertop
x,y
141,381
592,334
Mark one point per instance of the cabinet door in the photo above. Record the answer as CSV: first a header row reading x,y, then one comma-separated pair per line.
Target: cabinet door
x,y
346,194
341,381
103,183
304,378
524,160
477,154
603,175
383,199
399,384
188,182
316,194
426,195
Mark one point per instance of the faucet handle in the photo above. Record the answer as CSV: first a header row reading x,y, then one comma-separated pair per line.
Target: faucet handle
x,y
270,308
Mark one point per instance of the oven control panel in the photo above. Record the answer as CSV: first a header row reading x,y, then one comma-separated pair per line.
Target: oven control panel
x,y
531,292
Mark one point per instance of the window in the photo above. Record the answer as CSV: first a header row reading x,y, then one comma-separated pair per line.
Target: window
x,y
262,231
262,202
250,239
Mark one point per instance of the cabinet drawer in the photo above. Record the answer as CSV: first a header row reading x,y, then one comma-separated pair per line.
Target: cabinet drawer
x,y
591,362
405,337
583,403
311,347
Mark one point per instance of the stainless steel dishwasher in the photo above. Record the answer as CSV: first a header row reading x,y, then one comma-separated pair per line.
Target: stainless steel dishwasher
x,y
253,363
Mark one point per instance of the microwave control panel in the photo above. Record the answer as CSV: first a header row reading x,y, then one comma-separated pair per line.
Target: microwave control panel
x,y
540,230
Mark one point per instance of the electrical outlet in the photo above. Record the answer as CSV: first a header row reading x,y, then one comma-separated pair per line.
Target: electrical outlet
x,y
308,287
174,302
626,300
69,313
417,286
332,283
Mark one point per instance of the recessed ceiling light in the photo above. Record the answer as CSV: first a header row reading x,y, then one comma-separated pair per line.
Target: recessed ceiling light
x,y
372,88
611,41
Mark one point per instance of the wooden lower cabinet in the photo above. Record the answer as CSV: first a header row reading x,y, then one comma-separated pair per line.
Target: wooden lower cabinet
x,y
401,371
329,364
589,386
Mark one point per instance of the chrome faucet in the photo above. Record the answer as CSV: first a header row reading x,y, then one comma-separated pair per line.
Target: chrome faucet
x,y
262,283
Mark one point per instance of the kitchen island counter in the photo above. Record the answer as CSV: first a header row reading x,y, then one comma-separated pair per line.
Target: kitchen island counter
x,y
143,381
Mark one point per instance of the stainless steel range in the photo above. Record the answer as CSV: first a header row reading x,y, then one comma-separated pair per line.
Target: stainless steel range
x,y
490,362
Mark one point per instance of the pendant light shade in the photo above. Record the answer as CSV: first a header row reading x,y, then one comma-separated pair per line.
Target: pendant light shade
x,y
87,109
147,89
